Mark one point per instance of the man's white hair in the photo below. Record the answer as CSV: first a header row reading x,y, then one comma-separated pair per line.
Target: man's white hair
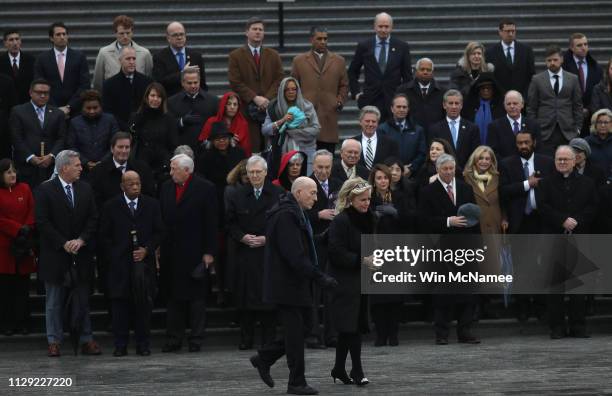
x,y
183,161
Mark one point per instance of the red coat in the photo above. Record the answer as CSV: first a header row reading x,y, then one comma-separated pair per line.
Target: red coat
x,y
16,209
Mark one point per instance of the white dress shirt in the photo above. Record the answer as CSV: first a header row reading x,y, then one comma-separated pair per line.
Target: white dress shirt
x,y
552,80
512,48
364,144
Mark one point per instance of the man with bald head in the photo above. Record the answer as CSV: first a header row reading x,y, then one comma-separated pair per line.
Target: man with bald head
x,y
131,229
386,65
122,93
348,165
290,267
502,131
176,57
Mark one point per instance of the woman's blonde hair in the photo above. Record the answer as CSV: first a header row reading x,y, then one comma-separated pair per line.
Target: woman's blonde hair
x,y
470,166
350,189
598,114
465,59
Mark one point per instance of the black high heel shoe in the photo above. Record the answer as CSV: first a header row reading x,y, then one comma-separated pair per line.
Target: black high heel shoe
x,y
359,381
341,375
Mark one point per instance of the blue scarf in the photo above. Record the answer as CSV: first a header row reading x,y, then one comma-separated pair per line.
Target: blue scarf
x,y
483,119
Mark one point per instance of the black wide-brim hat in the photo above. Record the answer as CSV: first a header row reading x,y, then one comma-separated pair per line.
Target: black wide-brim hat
x,y
219,130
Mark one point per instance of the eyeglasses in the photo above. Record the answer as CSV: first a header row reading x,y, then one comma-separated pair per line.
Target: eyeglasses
x,y
41,93
563,160
254,172
602,122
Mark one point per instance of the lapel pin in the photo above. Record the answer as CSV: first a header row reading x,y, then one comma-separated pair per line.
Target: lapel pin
x,y
462,126
393,49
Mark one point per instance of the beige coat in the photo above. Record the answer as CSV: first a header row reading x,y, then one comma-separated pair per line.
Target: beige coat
x,y
245,79
323,88
488,201
107,63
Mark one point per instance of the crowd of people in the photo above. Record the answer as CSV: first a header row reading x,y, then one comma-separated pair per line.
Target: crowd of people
x,y
146,185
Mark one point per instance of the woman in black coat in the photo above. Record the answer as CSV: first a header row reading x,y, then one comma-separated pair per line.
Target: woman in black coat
x,y
155,132
348,308
428,172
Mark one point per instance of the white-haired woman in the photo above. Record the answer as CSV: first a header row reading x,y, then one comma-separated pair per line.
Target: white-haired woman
x,y
348,307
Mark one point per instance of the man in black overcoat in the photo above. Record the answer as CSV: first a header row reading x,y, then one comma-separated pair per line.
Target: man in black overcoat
x,y
189,211
568,202
289,268
246,224
438,206
17,64
66,218
320,216
131,229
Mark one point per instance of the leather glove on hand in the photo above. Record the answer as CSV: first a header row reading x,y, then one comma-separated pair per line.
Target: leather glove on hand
x,y
191,119
24,231
327,282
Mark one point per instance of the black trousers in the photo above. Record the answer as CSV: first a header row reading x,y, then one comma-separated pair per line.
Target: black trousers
x,y
178,311
328,333
296,322
576,313
445,309
386,317
14,307
555,140
267,319
123,310
349,342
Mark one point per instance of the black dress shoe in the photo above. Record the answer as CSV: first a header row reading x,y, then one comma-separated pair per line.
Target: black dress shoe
x,y
263,370
120,351
143,351
393,340
301,390
441,341
169,347
193,347
469,340
341,375
579,334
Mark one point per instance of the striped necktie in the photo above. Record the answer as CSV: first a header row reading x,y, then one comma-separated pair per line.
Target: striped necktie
x,y
369,157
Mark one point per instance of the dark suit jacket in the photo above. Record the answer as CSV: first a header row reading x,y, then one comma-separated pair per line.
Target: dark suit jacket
x,y
339,173
425,110
106,179
502,139
467,140
512,191
594,74
24,78
116,223
560,198
120,98
58,222
76,78
516,76
435,207
26,135
324,201
166,69
385,147
379,87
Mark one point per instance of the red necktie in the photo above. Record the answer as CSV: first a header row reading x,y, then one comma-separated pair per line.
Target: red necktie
x,y
15,68
256,57
449,191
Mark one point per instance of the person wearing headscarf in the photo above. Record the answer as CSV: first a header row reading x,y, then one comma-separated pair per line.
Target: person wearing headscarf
x,y
291,167
282,126
231,114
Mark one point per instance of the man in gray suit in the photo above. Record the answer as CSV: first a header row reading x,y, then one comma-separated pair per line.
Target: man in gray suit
x,y
555,101
37,132
108,63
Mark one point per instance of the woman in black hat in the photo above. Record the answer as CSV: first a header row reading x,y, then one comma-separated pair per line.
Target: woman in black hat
x,y
484,103
214,163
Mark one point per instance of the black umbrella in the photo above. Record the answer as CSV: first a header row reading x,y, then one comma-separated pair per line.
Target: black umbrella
x,y
74,307
142,289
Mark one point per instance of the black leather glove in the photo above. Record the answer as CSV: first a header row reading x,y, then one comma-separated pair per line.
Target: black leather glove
x,y
386,210
327,282
191,119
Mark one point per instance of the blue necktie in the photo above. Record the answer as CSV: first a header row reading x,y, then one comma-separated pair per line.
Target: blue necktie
x,y
132,206
69,195
180,57
515,127
454,132
41,116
